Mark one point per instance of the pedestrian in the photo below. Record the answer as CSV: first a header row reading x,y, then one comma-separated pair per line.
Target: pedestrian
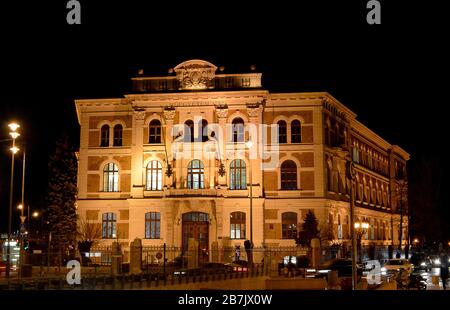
x,y
444,269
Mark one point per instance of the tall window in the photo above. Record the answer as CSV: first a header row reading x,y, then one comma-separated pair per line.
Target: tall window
x,y
189,131
152,225
296,132
288,175
282,132
104,135
203,134
154,176
238,130
196,177
154,133
118,133
339,227
109,229
237,225
111,178
289,225
238,179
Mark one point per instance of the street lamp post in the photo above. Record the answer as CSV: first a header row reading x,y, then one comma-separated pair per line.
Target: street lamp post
x,y
14,134
402,186
351,174
249,145
361,228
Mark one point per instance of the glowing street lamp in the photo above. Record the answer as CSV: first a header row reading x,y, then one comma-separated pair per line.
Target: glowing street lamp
x,y
361,228
14,135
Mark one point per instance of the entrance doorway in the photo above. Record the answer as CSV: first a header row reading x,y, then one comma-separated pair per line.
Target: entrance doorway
x,y
196,225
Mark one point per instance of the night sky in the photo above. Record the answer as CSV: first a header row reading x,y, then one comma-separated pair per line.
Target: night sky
x,y
393,75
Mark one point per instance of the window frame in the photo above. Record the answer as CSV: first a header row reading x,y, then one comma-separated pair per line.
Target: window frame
x,y
193,171
111,173
154,132
155,170
118,135
238,225
286,231
238,170
290,171
282,131
104,135
296,137
109,225
152,229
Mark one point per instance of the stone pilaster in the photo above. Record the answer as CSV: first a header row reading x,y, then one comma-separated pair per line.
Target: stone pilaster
x,y
169,114
137,189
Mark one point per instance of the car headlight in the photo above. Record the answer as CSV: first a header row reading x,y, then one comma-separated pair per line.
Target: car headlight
x,y
423,264
383,269
437,261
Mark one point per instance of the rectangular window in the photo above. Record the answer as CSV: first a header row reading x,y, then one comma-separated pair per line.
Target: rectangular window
x,y
109,228
152,225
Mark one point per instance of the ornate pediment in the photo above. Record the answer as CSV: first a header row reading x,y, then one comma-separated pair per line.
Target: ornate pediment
x,y
195,74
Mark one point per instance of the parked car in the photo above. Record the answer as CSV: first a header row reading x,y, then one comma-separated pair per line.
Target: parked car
x,y
397,264
238,265
212,267
435,261
2,267
421,262
342,266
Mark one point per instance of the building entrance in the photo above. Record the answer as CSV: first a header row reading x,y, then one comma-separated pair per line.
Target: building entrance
x,y
196,225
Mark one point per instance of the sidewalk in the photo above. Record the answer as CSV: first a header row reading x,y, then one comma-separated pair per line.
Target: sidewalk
x,y
434,287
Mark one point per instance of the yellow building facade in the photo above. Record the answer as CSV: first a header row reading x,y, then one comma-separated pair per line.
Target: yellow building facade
x,y
172,161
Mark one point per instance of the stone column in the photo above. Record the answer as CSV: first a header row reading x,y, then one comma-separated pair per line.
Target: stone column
x,y
136,256
116,259
222,113
137,150
169,114
315,247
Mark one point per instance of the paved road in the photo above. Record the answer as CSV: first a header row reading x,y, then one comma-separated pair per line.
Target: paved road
x,y
428,276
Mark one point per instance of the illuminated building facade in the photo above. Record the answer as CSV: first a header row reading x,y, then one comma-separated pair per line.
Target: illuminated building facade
x,y
170,162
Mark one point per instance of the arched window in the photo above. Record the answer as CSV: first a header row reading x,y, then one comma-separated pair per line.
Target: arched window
x,y
238,177
118,133
238,130
296,132
154,132
154,176
288,175
237,225
104,135
111,178
203,131
109,229
282,132
152,225
189,131
196,177
289,225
